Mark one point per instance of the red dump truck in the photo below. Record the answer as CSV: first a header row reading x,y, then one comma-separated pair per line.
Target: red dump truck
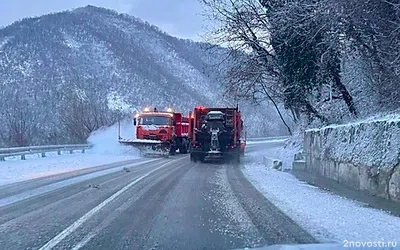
x,y
216,133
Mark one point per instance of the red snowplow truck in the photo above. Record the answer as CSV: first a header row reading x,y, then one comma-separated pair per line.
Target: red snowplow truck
x,y
216,133
164,132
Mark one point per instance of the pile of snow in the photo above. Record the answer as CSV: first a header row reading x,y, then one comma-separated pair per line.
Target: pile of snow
x,y
106,150
105,140
281,149
16,171
292,146
250,142
371,142
328,217
387,118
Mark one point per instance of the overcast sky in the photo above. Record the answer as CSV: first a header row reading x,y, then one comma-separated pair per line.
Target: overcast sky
x,y
180,18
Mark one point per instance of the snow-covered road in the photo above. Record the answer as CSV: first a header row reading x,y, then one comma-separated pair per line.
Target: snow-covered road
x,y
169,203
328,217
106,150
95,202
16,171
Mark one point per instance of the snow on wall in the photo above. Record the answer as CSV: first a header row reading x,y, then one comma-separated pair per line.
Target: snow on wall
x,y
370,142
364,155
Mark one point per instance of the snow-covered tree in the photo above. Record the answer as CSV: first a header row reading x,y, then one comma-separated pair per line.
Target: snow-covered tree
x,y
296,52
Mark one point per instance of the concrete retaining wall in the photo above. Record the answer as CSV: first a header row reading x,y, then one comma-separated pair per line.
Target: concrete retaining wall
x,y
364,155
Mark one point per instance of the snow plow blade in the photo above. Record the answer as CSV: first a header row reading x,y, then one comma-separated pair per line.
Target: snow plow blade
x,y
149,147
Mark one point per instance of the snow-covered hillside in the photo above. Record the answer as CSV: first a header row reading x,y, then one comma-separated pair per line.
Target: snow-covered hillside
x,y
60,73
67,74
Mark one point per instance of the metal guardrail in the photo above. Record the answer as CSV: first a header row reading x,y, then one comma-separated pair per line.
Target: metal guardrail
x,y
42,150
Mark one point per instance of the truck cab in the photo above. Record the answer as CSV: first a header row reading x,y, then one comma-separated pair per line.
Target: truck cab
x,y
155,126
167,127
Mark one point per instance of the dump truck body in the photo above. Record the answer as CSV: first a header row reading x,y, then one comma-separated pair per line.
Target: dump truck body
x,y
216,133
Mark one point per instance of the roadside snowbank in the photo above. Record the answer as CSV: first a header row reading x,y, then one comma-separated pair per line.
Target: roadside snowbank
x,y
15,171
106,150
281,149
328,217
105,140
266,141
387,118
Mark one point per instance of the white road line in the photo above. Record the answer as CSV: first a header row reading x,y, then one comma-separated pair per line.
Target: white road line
x,y
53,242
60,184
84,241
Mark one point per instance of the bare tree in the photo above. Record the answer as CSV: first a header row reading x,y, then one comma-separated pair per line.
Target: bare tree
x,y
19,123
373,29
85,112
292,52
244,31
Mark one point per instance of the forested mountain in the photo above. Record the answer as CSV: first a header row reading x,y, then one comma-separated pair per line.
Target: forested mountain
x,y
66,74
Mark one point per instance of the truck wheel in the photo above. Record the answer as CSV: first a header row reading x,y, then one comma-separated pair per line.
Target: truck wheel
x,y
183,149
202,158
237,155
193,157
172,150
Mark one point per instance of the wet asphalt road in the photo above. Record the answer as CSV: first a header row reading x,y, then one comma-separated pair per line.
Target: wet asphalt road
x,y
167,203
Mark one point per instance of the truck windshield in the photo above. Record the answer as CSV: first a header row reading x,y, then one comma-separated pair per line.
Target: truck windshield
x,y
154,120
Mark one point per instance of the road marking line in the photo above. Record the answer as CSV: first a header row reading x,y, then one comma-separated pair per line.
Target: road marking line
x,y
64,183
53,242
84,241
